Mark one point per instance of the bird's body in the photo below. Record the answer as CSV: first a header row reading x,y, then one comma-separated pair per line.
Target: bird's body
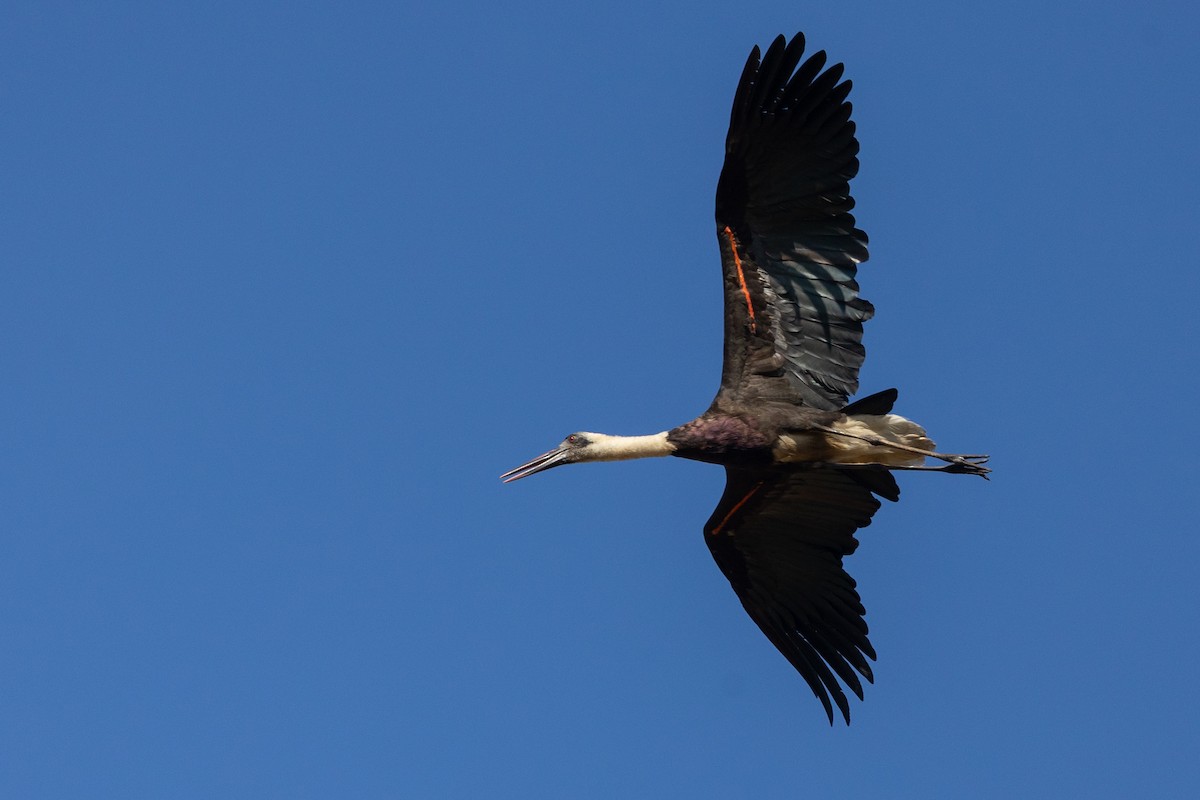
x,y
780,434
803,464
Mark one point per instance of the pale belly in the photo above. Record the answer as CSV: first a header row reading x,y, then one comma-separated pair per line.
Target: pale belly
x,y
811,446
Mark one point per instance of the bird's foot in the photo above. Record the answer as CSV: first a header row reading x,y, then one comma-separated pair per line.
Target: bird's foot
x,y
965,465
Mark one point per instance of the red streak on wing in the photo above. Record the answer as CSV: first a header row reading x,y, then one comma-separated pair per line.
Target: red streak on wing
x,y
735,509
737,262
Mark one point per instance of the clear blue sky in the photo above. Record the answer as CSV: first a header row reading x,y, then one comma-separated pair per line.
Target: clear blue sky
x,y
284,287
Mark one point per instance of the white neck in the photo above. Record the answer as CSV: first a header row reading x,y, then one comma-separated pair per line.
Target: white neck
x,y
618,448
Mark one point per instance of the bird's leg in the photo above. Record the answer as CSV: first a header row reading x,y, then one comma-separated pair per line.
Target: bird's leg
x,y
969,468
955,462
954,467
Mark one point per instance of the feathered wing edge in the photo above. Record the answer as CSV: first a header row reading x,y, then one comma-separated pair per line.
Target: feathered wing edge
x,y
779,536
789,243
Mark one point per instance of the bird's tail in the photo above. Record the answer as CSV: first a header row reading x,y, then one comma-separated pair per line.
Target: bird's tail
x,y
890,427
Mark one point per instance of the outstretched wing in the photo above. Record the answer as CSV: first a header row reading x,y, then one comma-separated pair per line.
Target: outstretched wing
x,y
793,317
779,536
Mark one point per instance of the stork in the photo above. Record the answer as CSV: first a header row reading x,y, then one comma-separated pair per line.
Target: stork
x,y
803,465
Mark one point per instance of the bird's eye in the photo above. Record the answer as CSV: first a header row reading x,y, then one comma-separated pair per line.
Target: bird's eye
x,y
572,439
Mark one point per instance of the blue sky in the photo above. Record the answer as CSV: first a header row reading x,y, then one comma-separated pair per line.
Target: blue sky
x,y
284,287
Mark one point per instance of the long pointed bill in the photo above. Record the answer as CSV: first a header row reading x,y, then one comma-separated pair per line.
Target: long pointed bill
x,y
543,462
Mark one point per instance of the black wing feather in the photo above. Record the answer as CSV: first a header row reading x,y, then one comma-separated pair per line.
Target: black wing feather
x,y
793,321
779,536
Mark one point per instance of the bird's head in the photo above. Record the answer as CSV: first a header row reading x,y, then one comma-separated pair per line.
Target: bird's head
x,y
576,447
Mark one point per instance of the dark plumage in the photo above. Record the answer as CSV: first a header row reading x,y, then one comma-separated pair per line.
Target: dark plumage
x,y
803,467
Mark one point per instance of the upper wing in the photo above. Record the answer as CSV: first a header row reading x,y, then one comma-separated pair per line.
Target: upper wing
x,y
779,536
793,317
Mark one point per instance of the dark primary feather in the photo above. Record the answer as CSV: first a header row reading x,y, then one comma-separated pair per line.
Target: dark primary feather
x,y
779,535
783,215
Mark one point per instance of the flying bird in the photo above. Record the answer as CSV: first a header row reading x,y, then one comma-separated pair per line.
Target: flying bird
x,y
804,466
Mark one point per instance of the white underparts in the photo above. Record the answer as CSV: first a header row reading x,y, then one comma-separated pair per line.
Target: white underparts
x,y
821,446
603,447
